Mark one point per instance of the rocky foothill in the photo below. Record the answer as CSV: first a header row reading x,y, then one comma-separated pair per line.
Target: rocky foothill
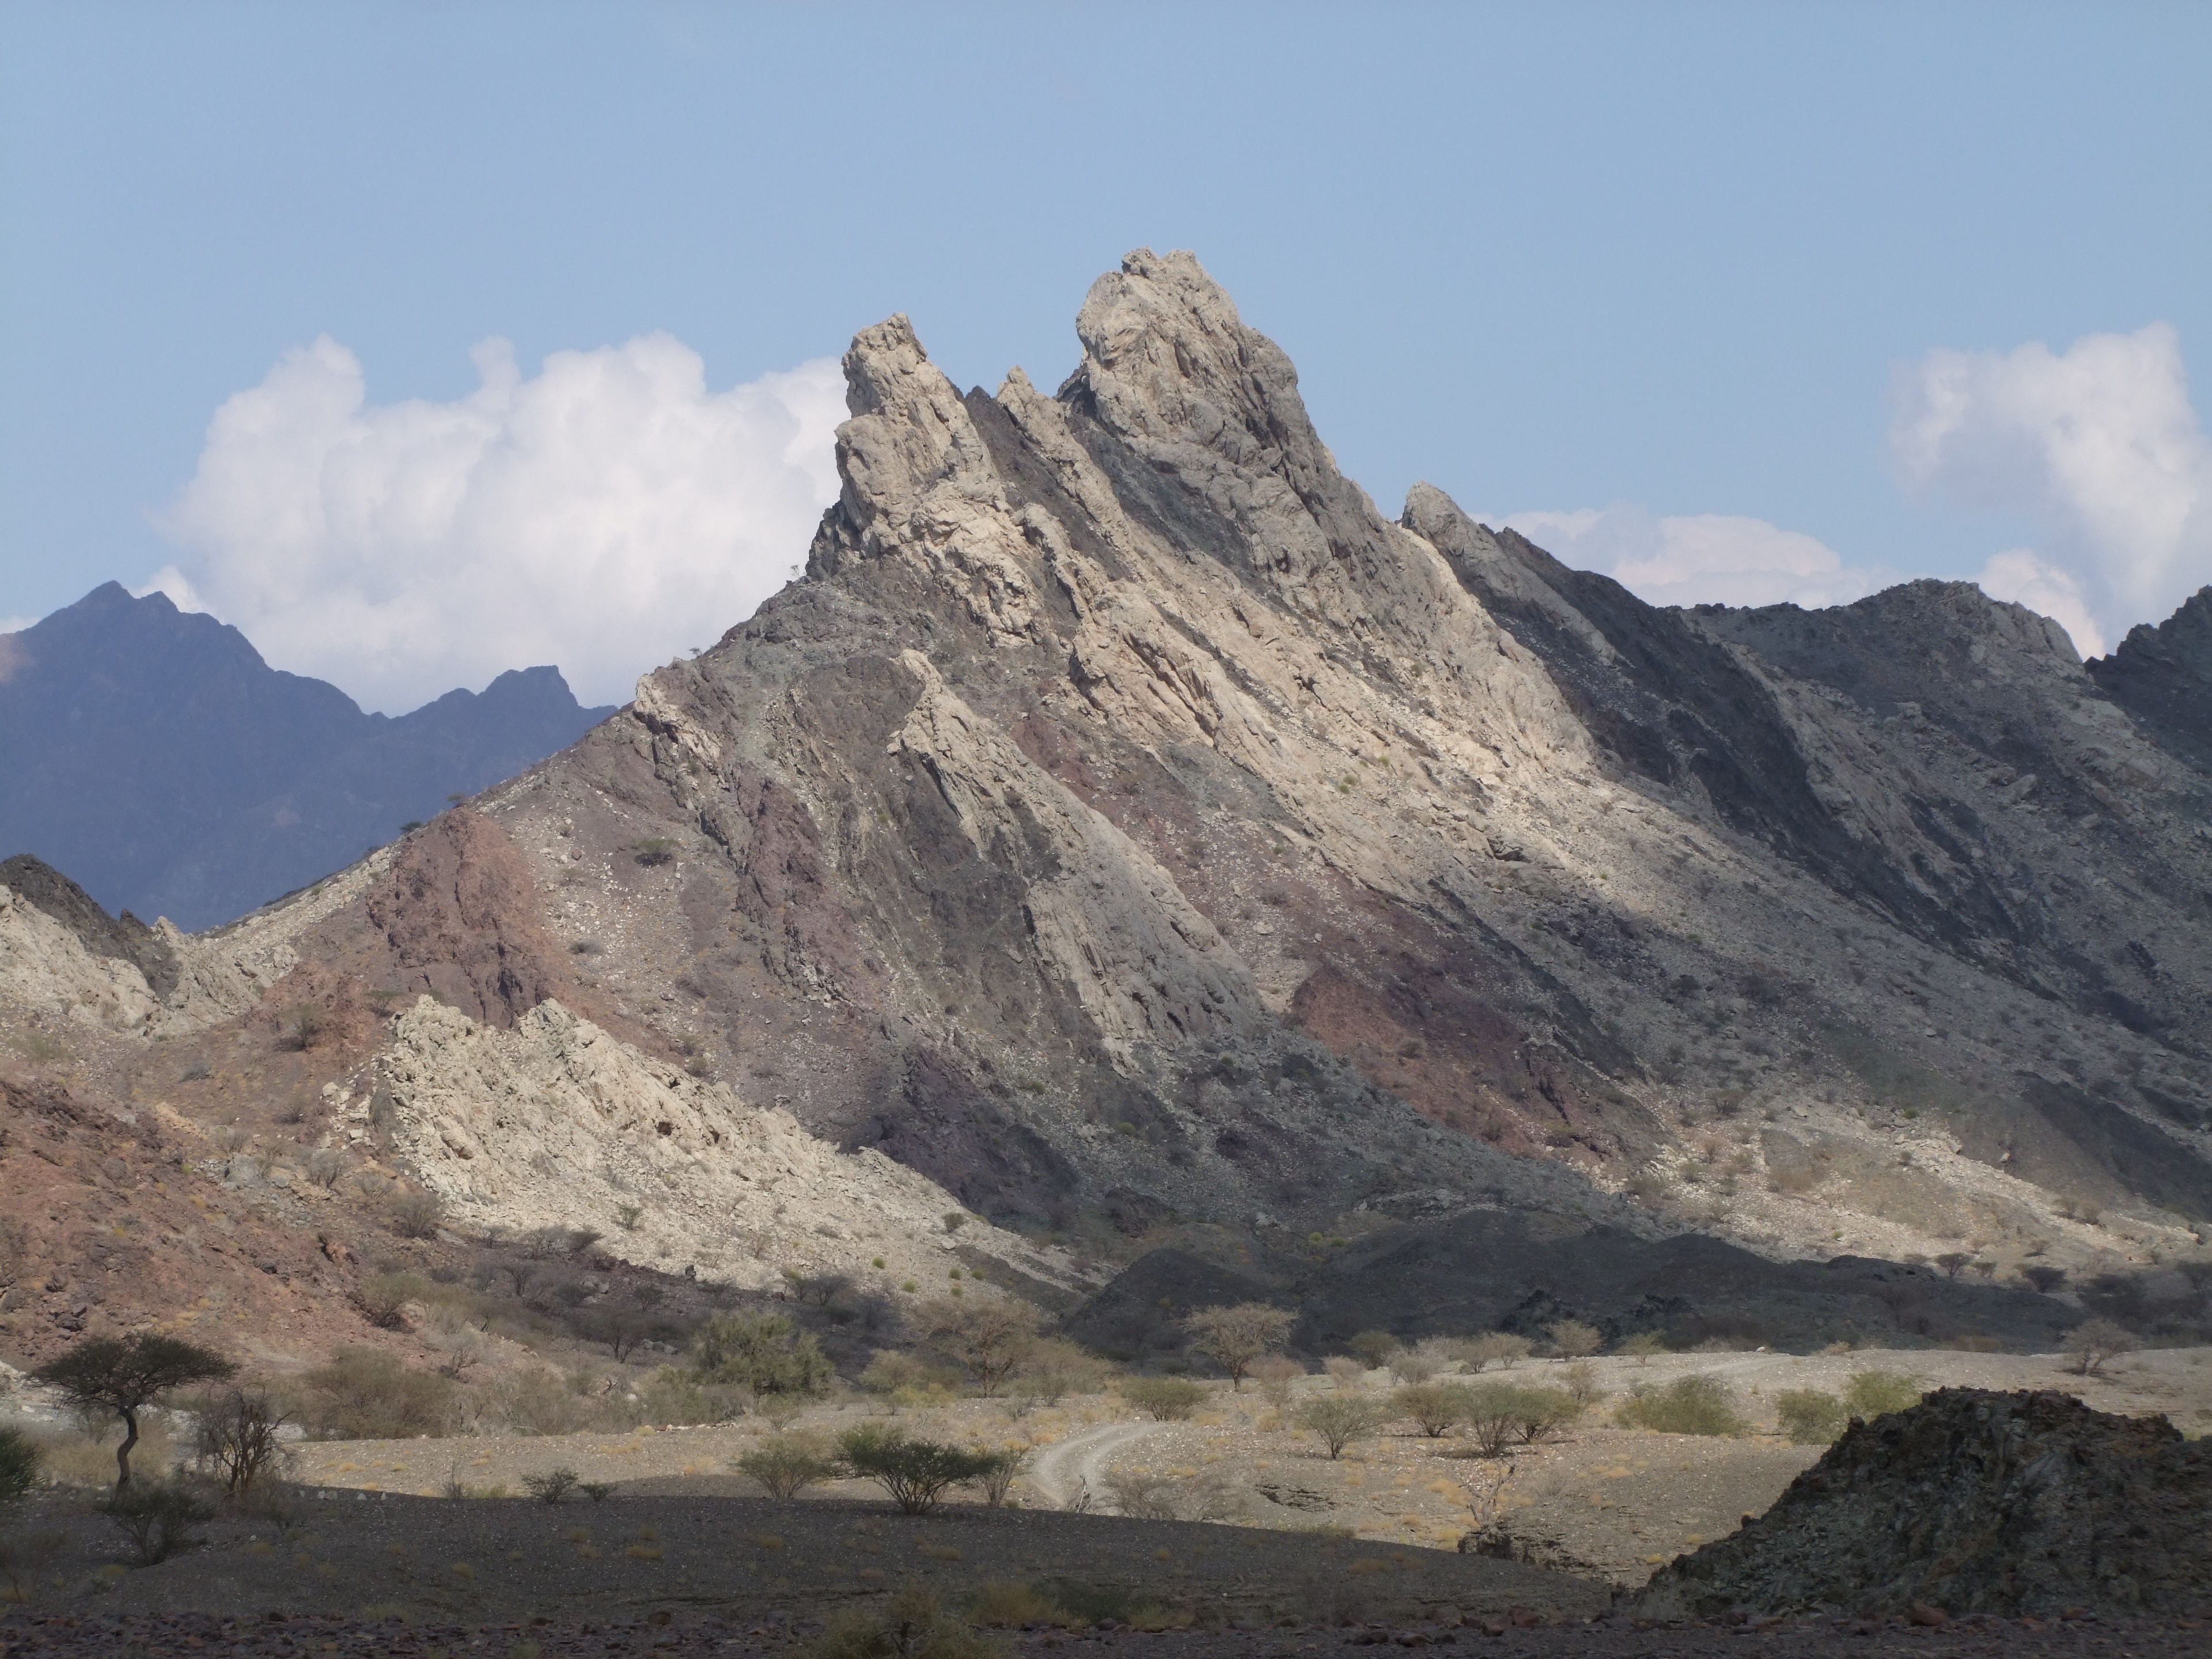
x,y
1971,1502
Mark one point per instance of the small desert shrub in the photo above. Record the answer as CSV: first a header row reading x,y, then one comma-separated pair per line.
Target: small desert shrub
x,y
156,1515
1014,1604
1640,1345
1435,1408
552,1487
654,850
763,1353
2092,1343
1580,1380
1810,1416
325,1167
996,1481
241,1437
910,1626
383,1299
2044,1276
674,1395
1688,1404
416,1215
1145,1494
302,1023
1275,1374
1499,1348
1874,1394
785,1465
538,1400
1374,1348
909,1381
1528,1415
24,1556
1420,1363
1344,1371
1163,1399
1340,1418
361,1393
20,1459
916,1472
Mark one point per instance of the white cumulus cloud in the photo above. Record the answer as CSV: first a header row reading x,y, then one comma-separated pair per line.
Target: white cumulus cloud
x,y
2098,444
1702,558
602,515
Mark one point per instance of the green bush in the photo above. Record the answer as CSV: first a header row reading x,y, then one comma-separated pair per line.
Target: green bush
x,y
1501,1414
1876,1393
916,1472
1688,1404
540,1401
1436,1408
785,1464
1164,1399
552,1487
763,1353
675,1395
156,1515
363,1394
910,1626
19,1463
1810,1417
1340,1418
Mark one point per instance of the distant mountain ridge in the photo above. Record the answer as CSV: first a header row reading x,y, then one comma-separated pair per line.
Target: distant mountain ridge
x,y
153,755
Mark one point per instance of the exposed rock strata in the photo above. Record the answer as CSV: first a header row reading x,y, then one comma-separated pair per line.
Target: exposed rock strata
x,y
555,1123
1124,813
1128,827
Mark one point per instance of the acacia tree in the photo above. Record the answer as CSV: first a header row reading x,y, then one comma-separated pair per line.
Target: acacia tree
x,y
1234,1338
125,1375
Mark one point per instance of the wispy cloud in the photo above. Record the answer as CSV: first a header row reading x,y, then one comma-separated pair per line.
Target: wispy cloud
x,y
1703,558
601,515
2098,444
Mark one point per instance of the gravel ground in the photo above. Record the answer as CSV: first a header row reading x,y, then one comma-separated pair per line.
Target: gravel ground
x,y
685,1634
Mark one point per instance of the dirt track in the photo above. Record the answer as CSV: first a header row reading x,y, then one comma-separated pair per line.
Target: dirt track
x,y
1066,1473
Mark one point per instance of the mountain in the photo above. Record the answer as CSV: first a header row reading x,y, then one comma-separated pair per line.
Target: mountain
x,y
173,773
1200,876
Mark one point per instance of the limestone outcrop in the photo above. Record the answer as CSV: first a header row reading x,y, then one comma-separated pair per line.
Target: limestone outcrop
x,y
555,1123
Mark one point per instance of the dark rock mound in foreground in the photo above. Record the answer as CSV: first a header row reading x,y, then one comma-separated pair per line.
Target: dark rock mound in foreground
x,y
1971,1502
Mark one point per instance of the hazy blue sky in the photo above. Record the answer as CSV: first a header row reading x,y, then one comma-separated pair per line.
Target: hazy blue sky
x,y
1737,301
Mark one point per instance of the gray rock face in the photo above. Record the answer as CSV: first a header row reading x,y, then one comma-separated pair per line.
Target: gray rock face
x,y
2162,676
1125,819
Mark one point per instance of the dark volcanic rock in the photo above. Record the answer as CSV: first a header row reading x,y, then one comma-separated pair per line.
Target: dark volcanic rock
x,y
1492,1270
155,754
1973,1501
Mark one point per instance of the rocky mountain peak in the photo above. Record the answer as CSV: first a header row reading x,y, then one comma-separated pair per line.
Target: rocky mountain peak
x,y
1127,828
